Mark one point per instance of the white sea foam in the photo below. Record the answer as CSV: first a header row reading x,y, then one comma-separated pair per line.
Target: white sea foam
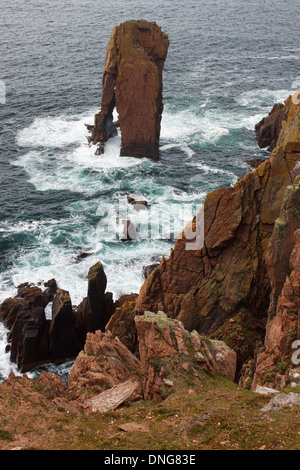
x,y
6,366
76,169
210,169
296,83
190,126
262,98
55,132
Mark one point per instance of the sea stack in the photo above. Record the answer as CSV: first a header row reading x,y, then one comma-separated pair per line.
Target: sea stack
x,y
132,82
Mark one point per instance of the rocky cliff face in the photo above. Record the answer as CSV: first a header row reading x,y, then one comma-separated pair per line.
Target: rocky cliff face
x,y
132,82
273,365
165,351
227,279
240,289
268,129
203,288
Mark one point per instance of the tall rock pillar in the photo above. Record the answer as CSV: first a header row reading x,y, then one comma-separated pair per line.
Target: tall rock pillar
x,y
132,82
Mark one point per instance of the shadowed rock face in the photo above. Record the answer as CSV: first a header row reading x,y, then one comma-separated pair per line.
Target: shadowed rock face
x,y
268,129
35,340
132,82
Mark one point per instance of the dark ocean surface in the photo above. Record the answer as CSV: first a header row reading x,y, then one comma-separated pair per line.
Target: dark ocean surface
x,y
227,64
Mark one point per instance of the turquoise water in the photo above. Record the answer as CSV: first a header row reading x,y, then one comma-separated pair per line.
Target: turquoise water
x,y
228,63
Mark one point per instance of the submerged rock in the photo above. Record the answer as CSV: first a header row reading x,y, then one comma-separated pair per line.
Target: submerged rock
x,y
129,231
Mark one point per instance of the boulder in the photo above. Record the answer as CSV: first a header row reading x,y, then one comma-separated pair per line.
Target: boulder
x,y
103,363
282,400
113,397
134,62
164,344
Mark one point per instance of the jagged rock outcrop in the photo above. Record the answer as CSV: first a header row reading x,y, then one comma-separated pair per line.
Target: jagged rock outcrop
x,y
24,316
274,360
268,129
206,287
227,278
63,341
96,309
165,349
34,340
132,82
165,344
103,363
122,325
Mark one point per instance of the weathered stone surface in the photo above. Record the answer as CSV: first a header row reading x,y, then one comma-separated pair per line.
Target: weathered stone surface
x,y
282,400
134,62
63,343
103,363
122,325
274,361
205,287
243,333
255,162
34,339
164,343
165,347
113,397
147,270
29,338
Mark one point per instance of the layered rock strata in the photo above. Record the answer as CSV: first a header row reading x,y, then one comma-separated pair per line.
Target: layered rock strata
x,y
132,82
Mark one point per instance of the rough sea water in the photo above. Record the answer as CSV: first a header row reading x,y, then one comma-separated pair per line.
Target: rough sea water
x,y
228,63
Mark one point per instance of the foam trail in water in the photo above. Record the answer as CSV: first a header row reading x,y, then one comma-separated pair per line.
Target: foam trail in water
x,y
6,366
